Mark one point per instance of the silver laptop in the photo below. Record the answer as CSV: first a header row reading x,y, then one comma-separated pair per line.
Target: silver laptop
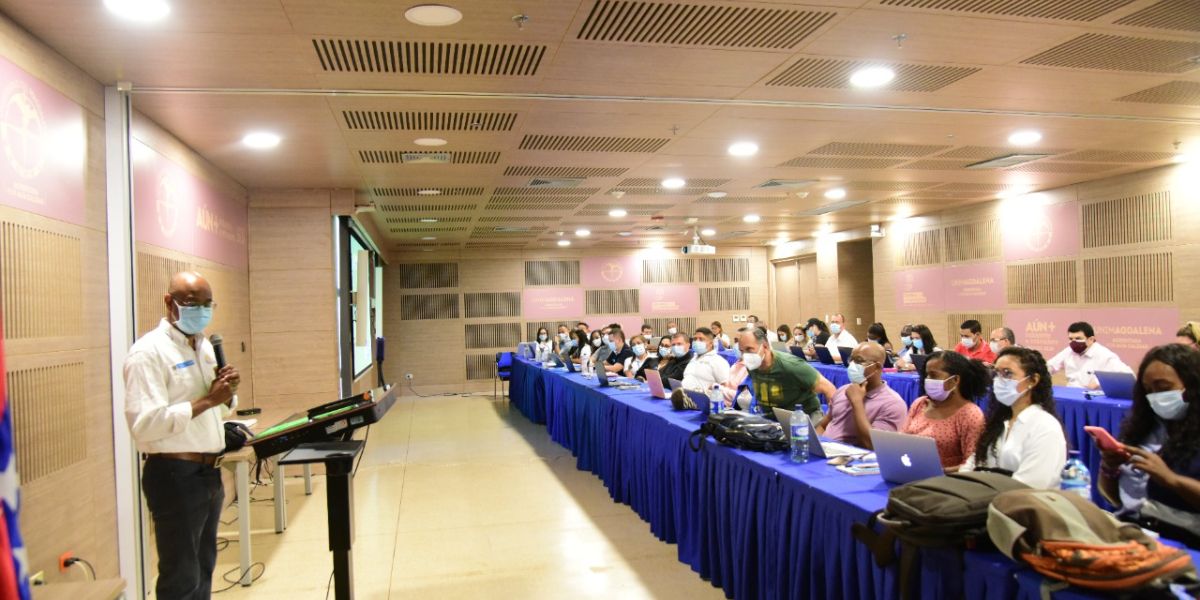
x,y
675,383
780,346
904,458
1116,384
654,380
816,447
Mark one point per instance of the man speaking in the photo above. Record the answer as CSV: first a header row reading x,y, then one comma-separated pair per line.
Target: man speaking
x,y
175,399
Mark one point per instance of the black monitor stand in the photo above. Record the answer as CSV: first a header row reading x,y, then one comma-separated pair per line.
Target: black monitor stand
x,y
338,458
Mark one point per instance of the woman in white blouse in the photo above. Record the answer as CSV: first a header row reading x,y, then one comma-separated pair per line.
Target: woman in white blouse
x,y
1022,434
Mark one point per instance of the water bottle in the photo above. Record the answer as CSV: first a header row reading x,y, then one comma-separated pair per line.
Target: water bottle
x,y
716,399
799,429
1076,479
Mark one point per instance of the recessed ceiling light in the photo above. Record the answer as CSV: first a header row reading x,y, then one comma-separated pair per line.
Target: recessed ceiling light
x,y
717,194
144,11
564,243
1026,137
261,140
430,192
752,218
708,232
582,232
429,142
835,193
872,77
743,149
429,238
428,220
624,233
617,212
673,183
433,15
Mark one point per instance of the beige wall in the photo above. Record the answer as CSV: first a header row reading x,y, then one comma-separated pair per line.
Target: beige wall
x,y
440,366
63,421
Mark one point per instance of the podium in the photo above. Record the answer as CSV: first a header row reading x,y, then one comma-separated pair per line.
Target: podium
x,y
338,458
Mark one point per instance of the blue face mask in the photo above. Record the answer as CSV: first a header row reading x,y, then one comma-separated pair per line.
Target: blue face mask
x,y
918,343
907,340
611,345
679,350
664,352
699,347
193,319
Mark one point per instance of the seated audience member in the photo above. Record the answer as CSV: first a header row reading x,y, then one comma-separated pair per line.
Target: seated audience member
x,y
784,333
971,343
635,366
580,348
1022,434
839,337
564,336
647,331
672,328
620,351
922,343
753,321
663,350
780,379
1001,338
596,339
1084,356
719,336
681,356
818,335
876,333
905,343
1161,435
799,339
947,412
651,359
544,347
865,403
706,370
1189,335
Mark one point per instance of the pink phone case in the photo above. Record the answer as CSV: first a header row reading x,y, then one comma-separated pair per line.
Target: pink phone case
x,y
1104,439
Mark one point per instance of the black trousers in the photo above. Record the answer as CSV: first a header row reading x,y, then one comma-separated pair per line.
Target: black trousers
x,y
185,500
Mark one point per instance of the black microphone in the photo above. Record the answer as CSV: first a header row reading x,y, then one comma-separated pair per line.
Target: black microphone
x,y
218,350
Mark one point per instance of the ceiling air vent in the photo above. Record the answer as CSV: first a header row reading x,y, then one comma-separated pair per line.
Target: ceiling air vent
x,y
428,158
829,208
1003,162
1185,93
591,143
512,229
785,184
427,58
392,120
680,24
1120,53
1180,15
834,73
1066,10
556,182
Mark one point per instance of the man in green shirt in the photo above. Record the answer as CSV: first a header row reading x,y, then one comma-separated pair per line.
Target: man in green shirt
x,y
780,379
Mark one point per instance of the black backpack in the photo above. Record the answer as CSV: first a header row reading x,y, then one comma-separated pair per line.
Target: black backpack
x,y
741,430
939,512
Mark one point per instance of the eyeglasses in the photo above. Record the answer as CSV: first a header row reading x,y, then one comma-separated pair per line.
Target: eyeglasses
x,y
193,303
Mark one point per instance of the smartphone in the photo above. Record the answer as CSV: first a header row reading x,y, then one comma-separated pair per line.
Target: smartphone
x,y
1104,439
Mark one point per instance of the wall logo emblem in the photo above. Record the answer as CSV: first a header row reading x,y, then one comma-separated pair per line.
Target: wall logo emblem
x,y
166,204
611,272
23,130
1040,234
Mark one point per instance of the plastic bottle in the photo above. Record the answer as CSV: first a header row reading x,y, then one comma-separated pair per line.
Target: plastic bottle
x,y
716,398
1076,479
799,430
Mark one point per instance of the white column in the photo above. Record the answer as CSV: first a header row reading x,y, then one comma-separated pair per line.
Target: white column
x,y
130,532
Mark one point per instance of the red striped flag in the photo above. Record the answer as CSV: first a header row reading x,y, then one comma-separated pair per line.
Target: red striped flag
x,y
14,575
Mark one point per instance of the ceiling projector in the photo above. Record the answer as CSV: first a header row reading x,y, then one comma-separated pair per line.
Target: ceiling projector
x,y
696,247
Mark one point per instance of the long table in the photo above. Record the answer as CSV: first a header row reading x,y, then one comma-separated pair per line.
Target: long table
x,y
754,524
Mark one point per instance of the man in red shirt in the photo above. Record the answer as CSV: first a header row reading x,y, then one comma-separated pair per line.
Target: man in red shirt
x,y
972,344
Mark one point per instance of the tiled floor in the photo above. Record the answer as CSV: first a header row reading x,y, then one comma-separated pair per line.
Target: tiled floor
x,y
464,498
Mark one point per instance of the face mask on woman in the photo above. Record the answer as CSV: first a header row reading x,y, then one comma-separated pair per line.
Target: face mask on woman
x,y
1168,405
918,343
596,341
936,389
639,350
664,351
543,337
1006,391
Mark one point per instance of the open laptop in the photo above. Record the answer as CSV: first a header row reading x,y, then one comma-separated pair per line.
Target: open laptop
x,y
918,361
556,361
816,447
654,380
675,383
905,458
1116,384
823,355
570,365
845,352
798,352
779,346
525,350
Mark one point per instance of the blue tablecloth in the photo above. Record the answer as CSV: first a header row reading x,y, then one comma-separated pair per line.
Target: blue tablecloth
x,y
754,524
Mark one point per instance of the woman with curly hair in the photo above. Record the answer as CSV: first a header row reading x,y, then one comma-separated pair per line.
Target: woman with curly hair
x,y
1161,434
1022,434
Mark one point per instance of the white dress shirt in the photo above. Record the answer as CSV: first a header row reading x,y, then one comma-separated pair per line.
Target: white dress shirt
x,y
633,363
544,350
1033,448
844,339
1081,368
705,371
163,374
